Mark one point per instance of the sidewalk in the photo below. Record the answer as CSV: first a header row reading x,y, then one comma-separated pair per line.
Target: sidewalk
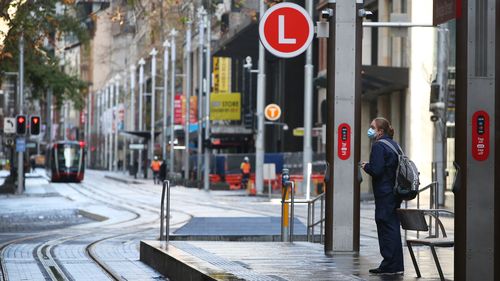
x,y
230,260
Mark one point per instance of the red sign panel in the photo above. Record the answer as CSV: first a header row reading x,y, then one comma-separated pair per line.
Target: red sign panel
x,y
480,135
286,30
344,141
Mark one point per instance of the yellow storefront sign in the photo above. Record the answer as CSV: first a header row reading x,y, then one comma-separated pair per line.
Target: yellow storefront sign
x,y
225,106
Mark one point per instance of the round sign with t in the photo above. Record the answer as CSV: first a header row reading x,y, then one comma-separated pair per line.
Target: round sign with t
x,y
286,30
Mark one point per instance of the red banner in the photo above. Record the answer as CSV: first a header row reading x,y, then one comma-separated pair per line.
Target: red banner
x,y
180,110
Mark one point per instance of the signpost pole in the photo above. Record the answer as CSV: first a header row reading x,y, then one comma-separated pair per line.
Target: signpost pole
x,y
20,103
111,110
308,109
261,99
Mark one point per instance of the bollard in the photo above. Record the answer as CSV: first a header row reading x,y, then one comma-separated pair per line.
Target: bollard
x,y
287,212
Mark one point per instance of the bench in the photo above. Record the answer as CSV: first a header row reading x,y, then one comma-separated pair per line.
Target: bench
x,y
414,220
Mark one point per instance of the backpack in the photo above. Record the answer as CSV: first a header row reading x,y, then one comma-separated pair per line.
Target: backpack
x,y
407,181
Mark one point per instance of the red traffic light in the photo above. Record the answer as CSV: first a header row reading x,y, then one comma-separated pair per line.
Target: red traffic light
x,y
35,125
21,124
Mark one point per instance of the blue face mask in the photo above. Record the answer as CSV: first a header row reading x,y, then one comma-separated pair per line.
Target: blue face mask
x,y
372,133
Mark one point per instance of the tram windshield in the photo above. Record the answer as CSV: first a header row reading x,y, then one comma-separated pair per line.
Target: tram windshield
x,y
70,156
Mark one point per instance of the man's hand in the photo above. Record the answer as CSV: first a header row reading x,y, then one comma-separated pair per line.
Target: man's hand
x,y
362,164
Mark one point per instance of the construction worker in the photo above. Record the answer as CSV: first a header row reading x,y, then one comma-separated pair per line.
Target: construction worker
x,y
155,167
245,172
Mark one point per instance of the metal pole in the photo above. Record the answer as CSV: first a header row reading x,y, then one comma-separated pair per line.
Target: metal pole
x,y
162,211
153,106
20,103
188,99
201,41
440,124
132,108
292,208
166,57
117,100
207,86
112,117
141,113
308,109
172,99
106,128
88,128
261,99
167,231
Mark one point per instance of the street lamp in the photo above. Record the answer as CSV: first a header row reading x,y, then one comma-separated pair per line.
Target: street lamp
x,y
153,54
142,62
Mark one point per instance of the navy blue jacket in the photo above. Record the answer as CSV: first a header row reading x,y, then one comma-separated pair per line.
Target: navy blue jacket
x,y
382,167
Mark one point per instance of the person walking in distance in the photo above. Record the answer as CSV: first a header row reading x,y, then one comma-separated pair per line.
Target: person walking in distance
x,y
155,167
382,168
245,172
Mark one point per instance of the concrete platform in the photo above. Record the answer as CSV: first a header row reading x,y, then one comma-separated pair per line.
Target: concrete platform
x,y
203,260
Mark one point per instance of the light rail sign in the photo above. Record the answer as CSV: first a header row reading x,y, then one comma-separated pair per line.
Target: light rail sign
x,y
272,112
286,30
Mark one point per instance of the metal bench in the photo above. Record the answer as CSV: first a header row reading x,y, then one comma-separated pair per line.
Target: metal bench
x,y
414,220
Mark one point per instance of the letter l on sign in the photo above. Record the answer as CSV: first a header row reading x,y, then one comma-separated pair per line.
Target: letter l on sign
x,y
281,32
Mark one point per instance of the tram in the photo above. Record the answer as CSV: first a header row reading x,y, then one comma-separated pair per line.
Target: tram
x,y
66,161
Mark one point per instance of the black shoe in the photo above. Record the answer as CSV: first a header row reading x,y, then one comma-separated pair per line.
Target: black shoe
x,y
379,271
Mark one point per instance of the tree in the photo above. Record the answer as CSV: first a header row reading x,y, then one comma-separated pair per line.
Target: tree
x,y
42,26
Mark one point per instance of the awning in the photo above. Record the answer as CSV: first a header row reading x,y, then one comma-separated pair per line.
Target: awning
x,y
140,134
377,80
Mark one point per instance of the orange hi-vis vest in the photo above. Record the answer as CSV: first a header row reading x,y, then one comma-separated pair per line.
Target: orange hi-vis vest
x,y
245,167
155,166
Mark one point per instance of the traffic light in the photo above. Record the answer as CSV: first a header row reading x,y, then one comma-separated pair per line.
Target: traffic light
x,y
35,125
21,124
248,120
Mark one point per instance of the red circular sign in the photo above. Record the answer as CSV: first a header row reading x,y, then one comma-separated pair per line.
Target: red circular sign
x,y
286,30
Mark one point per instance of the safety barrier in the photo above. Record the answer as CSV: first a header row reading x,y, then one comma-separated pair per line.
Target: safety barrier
x,y
165,218
433,204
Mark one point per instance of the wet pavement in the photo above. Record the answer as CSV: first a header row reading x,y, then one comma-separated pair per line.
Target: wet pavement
x,y
92,231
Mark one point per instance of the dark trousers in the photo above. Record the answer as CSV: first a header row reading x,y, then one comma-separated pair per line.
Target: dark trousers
x,y
389,233
155,177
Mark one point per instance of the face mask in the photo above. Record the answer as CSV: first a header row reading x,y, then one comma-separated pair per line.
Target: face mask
x,y
372,133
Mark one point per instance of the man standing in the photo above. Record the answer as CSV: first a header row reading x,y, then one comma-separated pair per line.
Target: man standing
x,y
155,166
245,172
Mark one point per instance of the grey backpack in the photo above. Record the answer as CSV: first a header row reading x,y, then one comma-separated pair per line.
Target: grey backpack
x,y
407,181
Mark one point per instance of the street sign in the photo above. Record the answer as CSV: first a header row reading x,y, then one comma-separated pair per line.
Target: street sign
x,y
286,30
272,112
20,145
9,125
31,145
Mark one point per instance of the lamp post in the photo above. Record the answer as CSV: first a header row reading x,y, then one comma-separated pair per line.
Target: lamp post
x,y
153,104
173,33
166,45
188,99
132,107
141,94
117,100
